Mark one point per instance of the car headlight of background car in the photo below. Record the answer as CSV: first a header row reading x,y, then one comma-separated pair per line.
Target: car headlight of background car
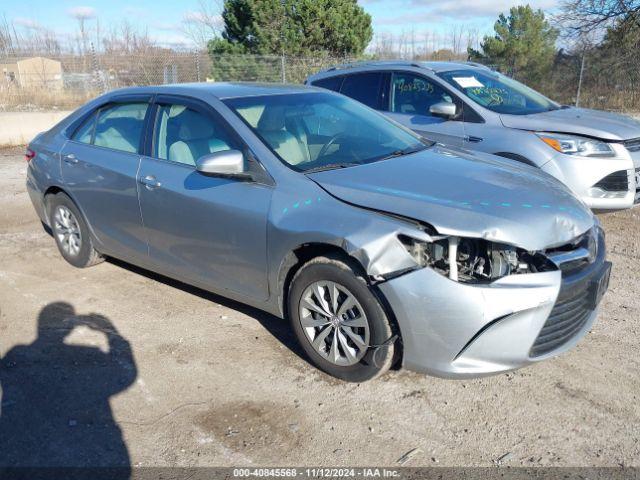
x,y
474,260
575,145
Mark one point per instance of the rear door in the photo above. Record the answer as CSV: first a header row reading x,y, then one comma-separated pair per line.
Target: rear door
x,y
208,230
410,97
99,167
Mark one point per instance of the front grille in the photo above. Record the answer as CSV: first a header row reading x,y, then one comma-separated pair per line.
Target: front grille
x,y
637,197
575,301
633,145
567,318
614,182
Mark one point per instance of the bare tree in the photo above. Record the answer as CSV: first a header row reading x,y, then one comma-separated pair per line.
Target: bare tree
x,y
7,38
455,38
125,39
82,15
473,38
203,24
579,16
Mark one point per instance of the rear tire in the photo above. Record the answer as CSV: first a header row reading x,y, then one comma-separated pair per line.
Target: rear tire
x,y
329,295
71,233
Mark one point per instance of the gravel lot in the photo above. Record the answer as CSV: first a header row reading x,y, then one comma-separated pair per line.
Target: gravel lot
x,y
213,383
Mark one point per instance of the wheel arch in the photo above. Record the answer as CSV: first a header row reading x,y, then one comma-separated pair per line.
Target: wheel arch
x,y
300,255
303,253
56,189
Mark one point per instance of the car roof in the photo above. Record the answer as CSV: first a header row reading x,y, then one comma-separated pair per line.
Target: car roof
x,y
393,64
220,90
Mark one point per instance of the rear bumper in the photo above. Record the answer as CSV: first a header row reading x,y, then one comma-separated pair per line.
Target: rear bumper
x,y
37,199
453,330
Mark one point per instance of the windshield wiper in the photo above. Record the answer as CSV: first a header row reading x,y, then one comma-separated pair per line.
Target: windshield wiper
x,y
331,166
404,151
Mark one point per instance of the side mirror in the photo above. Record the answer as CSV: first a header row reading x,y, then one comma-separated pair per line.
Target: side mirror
x,y
228,163
443,109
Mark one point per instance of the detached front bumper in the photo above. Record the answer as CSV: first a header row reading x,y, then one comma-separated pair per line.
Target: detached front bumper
x,y
456,330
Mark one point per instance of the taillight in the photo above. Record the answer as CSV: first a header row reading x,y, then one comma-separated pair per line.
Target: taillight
x,y
29,155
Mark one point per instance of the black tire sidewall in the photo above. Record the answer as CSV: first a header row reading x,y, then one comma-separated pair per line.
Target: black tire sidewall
x,y
86,249
374,362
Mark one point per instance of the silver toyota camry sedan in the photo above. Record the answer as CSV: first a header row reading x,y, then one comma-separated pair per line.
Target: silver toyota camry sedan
x,y
380,248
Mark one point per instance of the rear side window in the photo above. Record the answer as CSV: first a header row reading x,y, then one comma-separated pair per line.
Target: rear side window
x,y
120,126
363,87
84,134
331,83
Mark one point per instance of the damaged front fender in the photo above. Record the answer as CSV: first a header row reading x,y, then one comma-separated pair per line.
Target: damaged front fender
x,y
371,239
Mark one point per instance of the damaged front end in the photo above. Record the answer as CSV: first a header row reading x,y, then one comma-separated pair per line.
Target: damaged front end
x,y
474,260
473,307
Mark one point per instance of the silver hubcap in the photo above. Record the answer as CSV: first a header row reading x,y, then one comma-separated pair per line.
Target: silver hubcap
x,y
67,230
334,322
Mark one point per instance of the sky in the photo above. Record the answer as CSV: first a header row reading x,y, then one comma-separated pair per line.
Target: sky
x,y
164,19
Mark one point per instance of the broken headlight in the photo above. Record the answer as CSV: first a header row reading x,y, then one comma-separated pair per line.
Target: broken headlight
x,y
474,260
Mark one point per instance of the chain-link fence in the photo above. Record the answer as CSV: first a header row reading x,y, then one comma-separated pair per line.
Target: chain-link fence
x,y
36,82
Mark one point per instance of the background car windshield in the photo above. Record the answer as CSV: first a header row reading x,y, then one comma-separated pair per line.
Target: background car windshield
x,y
315,130
498,93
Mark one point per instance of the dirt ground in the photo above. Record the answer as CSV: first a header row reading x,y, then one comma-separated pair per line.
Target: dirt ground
x,y
197,380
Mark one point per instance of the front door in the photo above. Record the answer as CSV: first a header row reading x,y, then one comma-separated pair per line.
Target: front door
x,y
99,167
209,230
410,98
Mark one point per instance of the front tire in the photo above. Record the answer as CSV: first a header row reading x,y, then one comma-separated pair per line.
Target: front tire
x,y
71,232
338,320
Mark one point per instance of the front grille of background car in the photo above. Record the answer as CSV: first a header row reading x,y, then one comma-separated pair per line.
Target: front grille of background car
x,y
568,316
633,145
615,182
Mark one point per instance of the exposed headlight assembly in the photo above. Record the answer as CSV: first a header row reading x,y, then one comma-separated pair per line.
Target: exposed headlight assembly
x,y
574,145
474,260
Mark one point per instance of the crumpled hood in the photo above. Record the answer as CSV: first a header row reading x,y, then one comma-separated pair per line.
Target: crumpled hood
x,y
579,121
467,194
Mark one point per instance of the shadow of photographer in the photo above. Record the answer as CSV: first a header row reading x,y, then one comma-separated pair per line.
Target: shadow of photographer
x,y
55,396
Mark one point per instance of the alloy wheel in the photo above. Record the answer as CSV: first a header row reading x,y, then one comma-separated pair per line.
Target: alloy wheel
x,y
67,230
334,322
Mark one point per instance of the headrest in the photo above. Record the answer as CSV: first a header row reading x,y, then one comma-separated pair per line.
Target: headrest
x,y
272,119
193,126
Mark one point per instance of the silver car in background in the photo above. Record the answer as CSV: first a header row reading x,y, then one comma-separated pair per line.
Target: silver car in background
x,y
595,153
380,247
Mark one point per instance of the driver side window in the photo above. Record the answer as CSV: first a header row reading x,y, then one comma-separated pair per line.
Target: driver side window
x,y
414,95
184,135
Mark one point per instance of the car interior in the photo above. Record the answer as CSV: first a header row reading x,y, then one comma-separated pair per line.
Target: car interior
x,y
184,135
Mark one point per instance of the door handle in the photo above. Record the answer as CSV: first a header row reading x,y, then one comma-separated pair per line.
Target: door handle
x,y
473,139
150,182
70,159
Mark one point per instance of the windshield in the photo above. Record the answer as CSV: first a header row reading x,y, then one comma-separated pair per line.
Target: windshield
x,y
498,93
319,131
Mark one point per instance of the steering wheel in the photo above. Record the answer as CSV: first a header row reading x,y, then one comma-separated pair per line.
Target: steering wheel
x,y
327,146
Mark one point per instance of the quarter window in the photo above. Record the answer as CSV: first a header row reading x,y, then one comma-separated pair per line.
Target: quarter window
x,y
84,134
331,83
414,94
184,135
120,126
363,87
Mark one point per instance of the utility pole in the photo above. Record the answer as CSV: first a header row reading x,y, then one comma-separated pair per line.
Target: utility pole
x,y
282,58
580,79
